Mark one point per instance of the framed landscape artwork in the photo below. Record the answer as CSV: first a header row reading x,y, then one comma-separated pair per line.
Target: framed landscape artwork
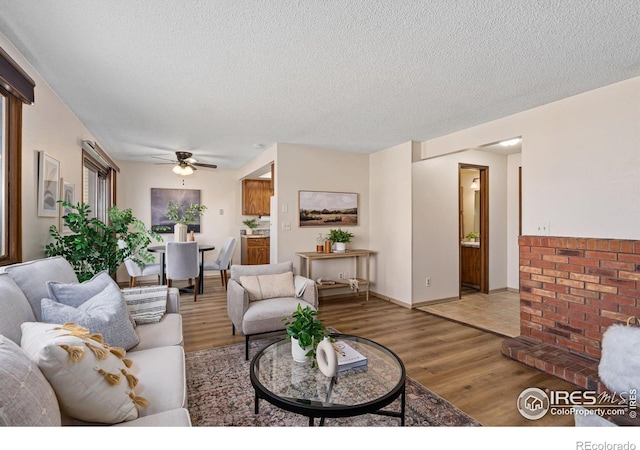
x,y
160,199
48,185
328,209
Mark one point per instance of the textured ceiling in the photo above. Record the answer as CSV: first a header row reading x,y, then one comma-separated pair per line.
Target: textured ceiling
x,y
216,77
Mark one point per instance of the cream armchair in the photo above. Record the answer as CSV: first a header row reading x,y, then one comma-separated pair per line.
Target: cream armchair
x,y
260,296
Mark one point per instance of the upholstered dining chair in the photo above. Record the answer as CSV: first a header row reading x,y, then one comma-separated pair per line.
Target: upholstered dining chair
x,y
223,261
183,263
135,271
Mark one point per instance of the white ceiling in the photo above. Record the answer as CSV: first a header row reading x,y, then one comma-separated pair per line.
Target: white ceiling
x,y
216,77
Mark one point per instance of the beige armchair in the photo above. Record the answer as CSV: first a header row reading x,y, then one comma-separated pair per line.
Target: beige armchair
x,y
260,296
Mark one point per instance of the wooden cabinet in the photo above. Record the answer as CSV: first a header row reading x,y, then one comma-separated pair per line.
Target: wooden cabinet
x,y
256,197
470,265
255,250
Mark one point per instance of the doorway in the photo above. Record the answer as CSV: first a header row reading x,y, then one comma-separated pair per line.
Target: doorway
x,y
473,226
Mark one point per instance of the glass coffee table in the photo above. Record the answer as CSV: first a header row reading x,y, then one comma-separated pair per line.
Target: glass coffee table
x,y
301,389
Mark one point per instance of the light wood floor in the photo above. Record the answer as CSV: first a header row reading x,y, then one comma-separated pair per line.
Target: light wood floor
x,y
460,363
498,312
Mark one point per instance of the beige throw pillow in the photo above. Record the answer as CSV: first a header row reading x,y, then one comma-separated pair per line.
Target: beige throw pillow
x,y
261,287
92,381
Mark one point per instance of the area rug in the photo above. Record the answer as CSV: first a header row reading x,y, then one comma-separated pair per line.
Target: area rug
x,y
220,394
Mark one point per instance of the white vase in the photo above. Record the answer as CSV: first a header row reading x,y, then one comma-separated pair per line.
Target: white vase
x,y
341,247
249,231
180,232
327,358
298,353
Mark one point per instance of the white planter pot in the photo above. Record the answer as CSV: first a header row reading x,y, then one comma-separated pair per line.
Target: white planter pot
x,y
299,354
341,247
249,231
180,232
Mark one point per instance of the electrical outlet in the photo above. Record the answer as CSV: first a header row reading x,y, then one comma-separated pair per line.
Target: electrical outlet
x,y
428,282
543,229
286,226
341,276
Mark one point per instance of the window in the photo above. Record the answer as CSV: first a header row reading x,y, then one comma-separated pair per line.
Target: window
x,y
15,88
98,180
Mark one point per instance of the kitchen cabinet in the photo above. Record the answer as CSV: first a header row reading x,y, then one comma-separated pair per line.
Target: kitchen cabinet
x,y
256,197
255,250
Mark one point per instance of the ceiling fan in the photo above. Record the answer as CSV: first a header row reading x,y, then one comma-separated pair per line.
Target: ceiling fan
x,y
185,164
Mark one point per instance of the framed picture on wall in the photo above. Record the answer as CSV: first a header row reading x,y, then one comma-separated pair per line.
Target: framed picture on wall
x,y
160,199
68,195
328,209
48,185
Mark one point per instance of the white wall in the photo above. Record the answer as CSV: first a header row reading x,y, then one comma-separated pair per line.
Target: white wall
x,y
316,169
50,126
514,162
390,221
580,159
435,223
220,192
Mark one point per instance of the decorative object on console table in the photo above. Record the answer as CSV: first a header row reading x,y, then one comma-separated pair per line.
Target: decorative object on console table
x,y
306,332
340,238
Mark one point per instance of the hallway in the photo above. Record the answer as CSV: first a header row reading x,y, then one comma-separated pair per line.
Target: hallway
x,y
498,312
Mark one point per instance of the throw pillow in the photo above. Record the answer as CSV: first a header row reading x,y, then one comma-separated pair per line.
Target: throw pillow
x,y
105,313
92,381
146,304
26,397
75,294
262,287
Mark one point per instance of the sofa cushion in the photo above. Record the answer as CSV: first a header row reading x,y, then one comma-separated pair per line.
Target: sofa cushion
x,y
14,307
32,278
160,334
146,304
261,287
93,382
75,294
105,313
26,397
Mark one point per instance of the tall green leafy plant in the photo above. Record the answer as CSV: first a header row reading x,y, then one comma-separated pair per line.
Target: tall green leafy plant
x,y
92,245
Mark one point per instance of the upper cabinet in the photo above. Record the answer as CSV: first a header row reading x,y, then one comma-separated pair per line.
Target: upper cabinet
x,y
256,197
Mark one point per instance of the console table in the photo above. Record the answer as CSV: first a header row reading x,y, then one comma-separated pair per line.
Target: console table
x,y
306,259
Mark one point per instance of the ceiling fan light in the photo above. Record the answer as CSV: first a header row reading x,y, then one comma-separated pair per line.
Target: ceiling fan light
x,y
182,170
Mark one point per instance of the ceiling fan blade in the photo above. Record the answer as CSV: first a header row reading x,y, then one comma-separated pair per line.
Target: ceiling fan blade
x,y
165,159
209,166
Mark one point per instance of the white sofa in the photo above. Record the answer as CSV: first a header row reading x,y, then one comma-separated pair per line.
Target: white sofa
x,y
158,361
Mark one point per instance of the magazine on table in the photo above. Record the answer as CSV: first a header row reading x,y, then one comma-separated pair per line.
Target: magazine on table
x,y
348,357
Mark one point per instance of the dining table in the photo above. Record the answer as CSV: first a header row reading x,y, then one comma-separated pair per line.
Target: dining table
x,y
162,250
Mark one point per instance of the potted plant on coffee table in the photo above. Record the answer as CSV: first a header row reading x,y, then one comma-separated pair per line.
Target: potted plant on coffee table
x,y
340,238
305,331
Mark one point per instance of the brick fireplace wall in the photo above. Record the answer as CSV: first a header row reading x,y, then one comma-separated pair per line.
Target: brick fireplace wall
x,y
571,290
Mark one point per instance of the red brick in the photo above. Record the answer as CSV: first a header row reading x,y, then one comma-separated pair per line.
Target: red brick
x,y
557,288
572,268
584,261
571,283
601,255
529,311
543,321
556,303
530,297
620,299
630,292
631,257
617,265
630,311
601,288
558,318
584,293
543,292
629,275
529,269
555,273
615,316
619,283
543,278
543,250
543,264
556,259
584,277
626,247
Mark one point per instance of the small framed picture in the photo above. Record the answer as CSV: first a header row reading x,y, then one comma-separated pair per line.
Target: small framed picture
x,y
48,185
68,195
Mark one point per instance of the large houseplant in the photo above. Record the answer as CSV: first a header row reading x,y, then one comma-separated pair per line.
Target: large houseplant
x,y
305,331
92,246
